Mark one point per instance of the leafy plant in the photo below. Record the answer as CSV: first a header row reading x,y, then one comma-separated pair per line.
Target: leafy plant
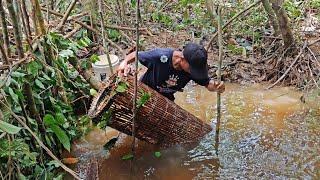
x,y
145,96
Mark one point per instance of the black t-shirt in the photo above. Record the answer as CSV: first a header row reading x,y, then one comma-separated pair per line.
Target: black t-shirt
x,y
161,76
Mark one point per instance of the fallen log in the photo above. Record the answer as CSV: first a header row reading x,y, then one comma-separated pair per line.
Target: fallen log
x,y
159,120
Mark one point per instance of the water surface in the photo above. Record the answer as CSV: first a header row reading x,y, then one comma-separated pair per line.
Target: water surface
x,y
264,135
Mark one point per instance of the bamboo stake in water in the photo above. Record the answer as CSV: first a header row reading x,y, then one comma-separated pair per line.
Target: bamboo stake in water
x,y
219,77
135,78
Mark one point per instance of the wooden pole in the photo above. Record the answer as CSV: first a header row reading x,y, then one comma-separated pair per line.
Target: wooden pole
x,y
5,34
66,15
103,35
17,36
135,79
219,77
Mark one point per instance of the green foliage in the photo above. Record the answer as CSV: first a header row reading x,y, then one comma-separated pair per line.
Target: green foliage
x,y
122,87
127,157
157,154
8,128
105,119
145,96
54,125
293,8
61,122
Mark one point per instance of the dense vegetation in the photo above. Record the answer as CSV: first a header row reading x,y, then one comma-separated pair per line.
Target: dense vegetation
x,y
47,48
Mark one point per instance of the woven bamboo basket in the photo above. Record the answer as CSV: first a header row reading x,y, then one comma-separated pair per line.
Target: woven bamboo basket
x,y
159,120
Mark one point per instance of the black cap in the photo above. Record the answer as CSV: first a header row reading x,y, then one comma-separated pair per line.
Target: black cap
x,y
197,57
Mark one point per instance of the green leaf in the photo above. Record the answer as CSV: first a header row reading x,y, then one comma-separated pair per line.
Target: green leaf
x,y
94,58
60,118
143,99
157,154
39,84
122,87
13,95
62,136
17,74
93,92
66,53
9,128
49,120
54,163
33,68
127,157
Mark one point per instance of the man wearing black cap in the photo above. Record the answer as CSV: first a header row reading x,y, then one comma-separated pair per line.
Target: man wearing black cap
x,y
170,70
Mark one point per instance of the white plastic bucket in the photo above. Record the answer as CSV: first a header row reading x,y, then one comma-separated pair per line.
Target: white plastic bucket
x,y
101,68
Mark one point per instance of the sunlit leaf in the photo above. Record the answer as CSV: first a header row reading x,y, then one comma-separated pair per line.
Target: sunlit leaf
x,y
66,53
13,95
9,128
17,74
93,92
39,84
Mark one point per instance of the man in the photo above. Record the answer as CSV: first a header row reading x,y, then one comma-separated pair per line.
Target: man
x,y
170,70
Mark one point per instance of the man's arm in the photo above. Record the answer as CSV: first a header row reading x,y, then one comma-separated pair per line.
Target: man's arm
x,y
124,67
216,86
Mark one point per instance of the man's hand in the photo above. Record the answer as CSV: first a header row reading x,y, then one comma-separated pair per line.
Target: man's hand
x,y
124,69
125,66
216,86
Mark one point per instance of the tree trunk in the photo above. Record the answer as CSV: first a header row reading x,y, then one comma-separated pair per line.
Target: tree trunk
x,y
284,23
26,17
5,34
272,17
38,17
3,54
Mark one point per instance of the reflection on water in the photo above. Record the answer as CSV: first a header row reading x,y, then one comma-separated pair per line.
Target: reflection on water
x,y
264,134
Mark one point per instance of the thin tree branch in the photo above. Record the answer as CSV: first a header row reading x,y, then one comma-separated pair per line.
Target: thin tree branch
x,y
231,20
66,15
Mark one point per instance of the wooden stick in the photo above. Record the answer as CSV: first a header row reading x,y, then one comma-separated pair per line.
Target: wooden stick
x,y
75,175
17,35
66,15
5,31
230,21
103,35
291,65
89,28
219,19
135,81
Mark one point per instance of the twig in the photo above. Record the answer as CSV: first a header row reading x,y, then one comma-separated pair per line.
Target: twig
x,y
75,175
311,74
103,35
89,28
230,21
314,56
287,71
74,31
66,15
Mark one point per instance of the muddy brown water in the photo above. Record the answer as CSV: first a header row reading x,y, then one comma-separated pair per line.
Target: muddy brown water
x,y
265,134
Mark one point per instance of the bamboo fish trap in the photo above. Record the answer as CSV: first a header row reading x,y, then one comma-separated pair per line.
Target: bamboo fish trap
x,y
159,120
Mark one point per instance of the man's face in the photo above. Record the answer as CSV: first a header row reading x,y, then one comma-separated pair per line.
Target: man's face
x,y
181,64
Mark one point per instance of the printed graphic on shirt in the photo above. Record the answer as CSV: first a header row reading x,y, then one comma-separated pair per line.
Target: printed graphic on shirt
x,y
171,82
164,59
